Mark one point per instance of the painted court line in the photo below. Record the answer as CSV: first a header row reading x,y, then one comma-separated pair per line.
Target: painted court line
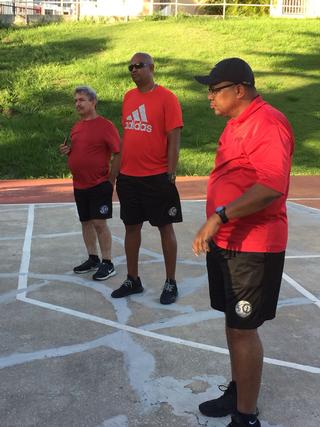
x,y
22,286
301,289
26,252
166,338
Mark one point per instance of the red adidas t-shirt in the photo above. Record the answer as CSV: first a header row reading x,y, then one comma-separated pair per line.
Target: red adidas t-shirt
x,y
255,148
92,142
146,119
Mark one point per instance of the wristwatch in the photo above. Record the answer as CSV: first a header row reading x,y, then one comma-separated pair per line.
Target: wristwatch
x,y
221,211
171,177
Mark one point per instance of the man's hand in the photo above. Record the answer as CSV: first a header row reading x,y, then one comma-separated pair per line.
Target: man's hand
x,y
64,149
207,231
171,177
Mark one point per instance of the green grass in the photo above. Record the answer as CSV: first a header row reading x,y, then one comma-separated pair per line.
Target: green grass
x,y
40,67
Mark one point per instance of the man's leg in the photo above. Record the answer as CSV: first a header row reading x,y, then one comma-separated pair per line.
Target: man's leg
x,y
132,244
90,241
106,268
89,237
246,354
104,237
169,249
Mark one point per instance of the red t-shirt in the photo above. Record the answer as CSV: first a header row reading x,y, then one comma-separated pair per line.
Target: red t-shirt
x,y
92,142
146,119
254,148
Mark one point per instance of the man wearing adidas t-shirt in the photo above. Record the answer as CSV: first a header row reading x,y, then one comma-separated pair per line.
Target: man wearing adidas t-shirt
x,y
152,122
94,140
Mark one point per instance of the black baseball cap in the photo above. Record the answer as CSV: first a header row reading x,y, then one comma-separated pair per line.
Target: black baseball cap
x,y
233,70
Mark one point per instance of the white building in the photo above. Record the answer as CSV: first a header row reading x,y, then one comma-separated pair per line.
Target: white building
x,y
295,8
112,7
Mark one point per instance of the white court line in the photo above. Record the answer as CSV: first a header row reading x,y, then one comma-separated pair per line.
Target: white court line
x,y
166,338
303,198
301,289
304,206
301,256
26,252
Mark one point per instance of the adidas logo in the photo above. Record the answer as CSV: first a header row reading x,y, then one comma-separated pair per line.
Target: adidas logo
x,y
137,120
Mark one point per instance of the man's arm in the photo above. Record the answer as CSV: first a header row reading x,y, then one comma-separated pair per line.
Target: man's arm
x,y
253,200
115,167
173,151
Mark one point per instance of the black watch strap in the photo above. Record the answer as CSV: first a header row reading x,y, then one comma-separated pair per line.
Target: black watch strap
x,y
221,211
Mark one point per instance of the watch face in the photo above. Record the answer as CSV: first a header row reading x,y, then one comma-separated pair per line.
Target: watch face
x,y
219,209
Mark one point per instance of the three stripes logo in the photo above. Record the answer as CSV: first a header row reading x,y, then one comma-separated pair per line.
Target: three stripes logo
x,y
137,120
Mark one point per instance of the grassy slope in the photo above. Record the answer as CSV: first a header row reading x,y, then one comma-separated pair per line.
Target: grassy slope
x,y
40,67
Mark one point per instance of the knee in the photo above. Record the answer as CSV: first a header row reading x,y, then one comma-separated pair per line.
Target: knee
x,y
99,225
133,230
167,231
238,335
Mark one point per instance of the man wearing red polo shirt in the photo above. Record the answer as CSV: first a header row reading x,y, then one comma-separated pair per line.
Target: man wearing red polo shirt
x,y
246,232
93,158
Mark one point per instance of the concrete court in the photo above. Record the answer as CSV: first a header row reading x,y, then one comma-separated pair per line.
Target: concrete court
x,y
71,356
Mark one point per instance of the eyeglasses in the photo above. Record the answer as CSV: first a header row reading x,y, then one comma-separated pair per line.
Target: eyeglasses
x,y
215,90
138,66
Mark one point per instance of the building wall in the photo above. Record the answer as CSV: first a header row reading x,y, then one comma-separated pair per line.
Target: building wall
x,y
311,9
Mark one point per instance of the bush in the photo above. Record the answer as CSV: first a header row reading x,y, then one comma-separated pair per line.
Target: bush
x,y
210,7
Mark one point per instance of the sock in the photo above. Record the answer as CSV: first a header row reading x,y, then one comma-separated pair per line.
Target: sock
x,y
94,258
107,261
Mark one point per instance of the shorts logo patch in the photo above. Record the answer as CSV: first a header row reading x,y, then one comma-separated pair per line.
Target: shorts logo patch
x,y
243,309
173,211
103,209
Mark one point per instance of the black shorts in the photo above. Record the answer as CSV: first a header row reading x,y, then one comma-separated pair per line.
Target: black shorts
x,y
148,198
94,202
244,285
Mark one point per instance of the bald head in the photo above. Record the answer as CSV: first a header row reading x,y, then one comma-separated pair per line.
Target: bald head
x,y
141,68
142,57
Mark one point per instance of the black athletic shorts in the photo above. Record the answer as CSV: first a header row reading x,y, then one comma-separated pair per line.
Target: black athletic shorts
x,y
148,198
244,285
94,202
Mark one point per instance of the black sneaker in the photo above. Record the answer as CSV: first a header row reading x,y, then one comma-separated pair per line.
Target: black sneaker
x,y
169,292
237,421
105,270
86,266
128,287
223,405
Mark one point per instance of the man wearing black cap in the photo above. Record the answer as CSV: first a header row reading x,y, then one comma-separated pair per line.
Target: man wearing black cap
x,y
245,235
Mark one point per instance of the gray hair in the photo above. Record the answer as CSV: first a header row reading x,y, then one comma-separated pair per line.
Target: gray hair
x,y
88,91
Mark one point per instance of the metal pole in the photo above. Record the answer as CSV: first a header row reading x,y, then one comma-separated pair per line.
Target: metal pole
x,y
78,9
151,7
224,9
176,8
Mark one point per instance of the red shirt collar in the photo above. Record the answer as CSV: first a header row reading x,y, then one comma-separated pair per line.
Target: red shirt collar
x,y
256,103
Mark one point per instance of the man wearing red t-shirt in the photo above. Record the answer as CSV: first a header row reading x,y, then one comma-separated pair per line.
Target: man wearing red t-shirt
x,y
94,140
245,235
152,122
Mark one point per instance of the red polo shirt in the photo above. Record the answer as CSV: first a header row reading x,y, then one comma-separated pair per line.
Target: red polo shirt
x,y
254,148
92,142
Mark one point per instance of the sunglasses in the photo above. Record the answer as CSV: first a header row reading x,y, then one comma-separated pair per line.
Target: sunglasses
x,y
215,90
138,66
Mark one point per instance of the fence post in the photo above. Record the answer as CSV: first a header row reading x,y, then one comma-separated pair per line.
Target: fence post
x,y
176,8
224,9
151,7
78,9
